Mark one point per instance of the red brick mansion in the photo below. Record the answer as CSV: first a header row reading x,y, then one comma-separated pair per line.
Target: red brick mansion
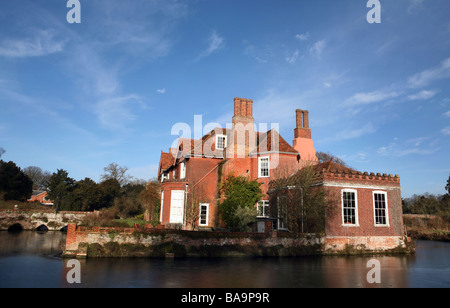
x,y
367,206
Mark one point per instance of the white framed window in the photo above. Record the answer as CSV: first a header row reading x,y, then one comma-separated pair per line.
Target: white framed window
x,y
204,214
380,210
221,142
263,208
182,170
349,198
263,167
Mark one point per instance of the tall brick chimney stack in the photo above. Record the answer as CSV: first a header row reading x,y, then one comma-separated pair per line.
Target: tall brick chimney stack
x,y
303,142
302,129
243,133
243,111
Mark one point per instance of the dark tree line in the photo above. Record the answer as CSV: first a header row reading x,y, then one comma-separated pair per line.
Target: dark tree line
x,y
117,191
429,204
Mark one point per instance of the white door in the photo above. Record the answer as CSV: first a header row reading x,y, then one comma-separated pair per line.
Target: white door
x,y
177,207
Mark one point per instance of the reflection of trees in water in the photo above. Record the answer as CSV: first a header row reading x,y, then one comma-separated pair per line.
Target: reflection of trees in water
x,y
35,242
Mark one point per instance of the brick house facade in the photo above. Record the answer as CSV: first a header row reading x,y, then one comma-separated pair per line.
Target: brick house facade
x,y
40,196
366,205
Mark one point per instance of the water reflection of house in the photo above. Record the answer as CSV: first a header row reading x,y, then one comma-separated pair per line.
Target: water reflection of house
x,y
40,196
367,206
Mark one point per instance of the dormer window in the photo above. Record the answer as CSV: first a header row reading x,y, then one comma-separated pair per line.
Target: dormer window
x,y
221,142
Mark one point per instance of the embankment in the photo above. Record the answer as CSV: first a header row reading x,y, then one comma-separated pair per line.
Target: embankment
x,y
84,242
427,227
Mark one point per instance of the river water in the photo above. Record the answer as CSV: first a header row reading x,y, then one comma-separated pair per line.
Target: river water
x,y
31,259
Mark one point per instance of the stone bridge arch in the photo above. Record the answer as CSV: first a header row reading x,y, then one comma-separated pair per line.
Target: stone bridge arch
x,y
15,227
42,228
33,220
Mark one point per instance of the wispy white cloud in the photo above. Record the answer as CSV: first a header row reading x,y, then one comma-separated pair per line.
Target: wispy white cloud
x,y
352,132
40,44
277,107
422,95
303,37
426,77
408,147
385,46
144,28
261,55
417,141
446,130
39,106
161,91
365,98
96,76
293,58
414,6
317,49
447,114
359,157
116,113
215,43
335,79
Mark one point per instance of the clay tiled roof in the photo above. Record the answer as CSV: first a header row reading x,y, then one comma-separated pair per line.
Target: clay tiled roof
x,y
165,161
317,170
190,147
331,166
264,142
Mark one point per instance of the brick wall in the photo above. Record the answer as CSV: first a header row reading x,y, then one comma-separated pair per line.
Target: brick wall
x,y
222,243
364,185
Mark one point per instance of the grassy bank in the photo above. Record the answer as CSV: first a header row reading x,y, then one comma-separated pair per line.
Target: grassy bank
x,y
10,205
428,227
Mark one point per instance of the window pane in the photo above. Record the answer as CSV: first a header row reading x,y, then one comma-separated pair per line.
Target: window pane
x,y
349,207
264,166
221,142
263,208
380,209
203,214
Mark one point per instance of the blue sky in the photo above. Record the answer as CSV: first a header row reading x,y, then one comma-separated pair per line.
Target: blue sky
x,y
80,96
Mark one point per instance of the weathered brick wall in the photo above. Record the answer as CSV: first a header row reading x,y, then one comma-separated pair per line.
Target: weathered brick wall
x,y
254,244
364,185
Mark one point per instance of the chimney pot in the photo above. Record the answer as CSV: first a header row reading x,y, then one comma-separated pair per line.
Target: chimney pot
x,y
305,118
237,106
243,107
249,108
299,118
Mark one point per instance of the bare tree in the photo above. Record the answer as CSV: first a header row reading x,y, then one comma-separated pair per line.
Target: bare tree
x,y
2,151
150,198
326,157
39,177
116,172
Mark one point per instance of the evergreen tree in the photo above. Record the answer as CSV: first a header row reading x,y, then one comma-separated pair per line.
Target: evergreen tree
x,y
238,209
14,183
59,187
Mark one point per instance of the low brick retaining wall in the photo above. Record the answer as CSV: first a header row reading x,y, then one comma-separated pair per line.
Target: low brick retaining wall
x,y
144,242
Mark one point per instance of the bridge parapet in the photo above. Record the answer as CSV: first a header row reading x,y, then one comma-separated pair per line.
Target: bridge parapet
x,y
39,220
